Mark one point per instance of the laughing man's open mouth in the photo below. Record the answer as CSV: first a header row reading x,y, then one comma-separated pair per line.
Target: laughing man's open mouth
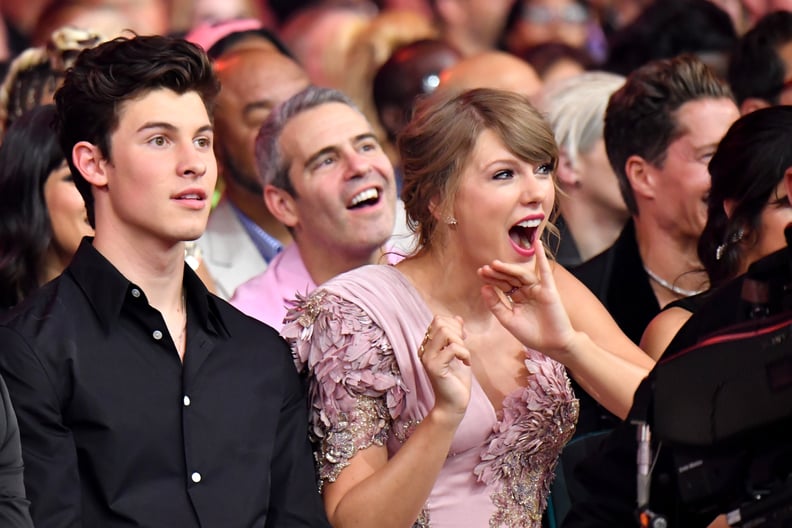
x,y
365,198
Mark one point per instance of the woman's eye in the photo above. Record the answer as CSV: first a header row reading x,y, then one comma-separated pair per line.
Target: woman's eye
x,y
545,169
503,175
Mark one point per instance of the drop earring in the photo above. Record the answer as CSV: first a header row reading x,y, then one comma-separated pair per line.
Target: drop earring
x,y
450,220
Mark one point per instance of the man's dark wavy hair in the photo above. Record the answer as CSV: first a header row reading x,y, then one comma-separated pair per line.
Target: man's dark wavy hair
x,y
104,78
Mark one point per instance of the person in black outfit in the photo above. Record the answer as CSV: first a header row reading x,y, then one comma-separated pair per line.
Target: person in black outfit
x,y
14,507
661,127
142,399
749,209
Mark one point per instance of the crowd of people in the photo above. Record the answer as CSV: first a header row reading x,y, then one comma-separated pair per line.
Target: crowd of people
x,y
366,263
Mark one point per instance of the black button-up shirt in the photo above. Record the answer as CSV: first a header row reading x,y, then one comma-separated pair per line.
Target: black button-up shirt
x,y
14,508
116,431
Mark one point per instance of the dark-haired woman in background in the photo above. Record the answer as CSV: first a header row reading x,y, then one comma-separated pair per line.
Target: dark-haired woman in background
x,y
42,215
748,210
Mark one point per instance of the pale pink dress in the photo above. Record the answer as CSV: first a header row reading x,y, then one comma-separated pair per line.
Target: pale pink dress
x,y
358,335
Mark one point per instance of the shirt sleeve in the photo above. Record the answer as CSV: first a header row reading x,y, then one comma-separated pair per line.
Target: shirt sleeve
x,y
356,389
14,507
295,500
51,476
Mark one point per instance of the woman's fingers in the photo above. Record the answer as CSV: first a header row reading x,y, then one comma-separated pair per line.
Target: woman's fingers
x,y
447,362
442,332
543,268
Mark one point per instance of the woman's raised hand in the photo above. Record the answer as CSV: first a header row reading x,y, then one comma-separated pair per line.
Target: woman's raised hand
x,y
524,298
447,361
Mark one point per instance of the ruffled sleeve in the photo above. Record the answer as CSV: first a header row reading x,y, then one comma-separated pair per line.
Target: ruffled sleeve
x,y
356,389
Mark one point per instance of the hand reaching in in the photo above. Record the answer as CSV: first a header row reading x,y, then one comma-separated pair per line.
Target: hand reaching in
x,y
524,298
447,361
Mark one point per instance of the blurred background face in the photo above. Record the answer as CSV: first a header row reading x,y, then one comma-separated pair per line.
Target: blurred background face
x,y
541,21
66,210
759,8
254,81
487,19
109,18
217,10
601,185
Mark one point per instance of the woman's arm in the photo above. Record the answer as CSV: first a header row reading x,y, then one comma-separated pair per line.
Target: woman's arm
x,y
376,491
587,314
662,329
551,311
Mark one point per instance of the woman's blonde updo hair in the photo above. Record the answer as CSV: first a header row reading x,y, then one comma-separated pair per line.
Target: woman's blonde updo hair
x,y
440,137
36,73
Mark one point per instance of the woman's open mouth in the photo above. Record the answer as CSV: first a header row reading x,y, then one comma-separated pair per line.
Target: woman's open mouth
x,y
523,233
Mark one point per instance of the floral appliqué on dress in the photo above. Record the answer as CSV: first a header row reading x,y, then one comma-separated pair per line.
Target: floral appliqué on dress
x,y
357,390
357,400
521,454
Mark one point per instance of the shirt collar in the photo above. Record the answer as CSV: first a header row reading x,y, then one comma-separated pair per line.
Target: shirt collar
x,y
107,289
267,245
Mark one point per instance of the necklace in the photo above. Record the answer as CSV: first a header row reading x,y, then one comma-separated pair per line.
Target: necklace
x,y
670,287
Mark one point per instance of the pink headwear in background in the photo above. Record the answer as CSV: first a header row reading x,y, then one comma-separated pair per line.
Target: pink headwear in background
x,y
207,34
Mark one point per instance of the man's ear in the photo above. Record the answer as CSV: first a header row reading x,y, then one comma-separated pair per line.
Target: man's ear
x,y
639,174
568,176
89,160
788,182
753,103
728,207
282,205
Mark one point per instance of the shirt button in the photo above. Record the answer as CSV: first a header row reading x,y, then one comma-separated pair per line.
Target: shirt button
x,y
157,335
135,293
186,401
196,477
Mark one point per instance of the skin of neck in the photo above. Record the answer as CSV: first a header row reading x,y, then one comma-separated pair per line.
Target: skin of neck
x,y
253,206
594,228
673,259
324,263
447,284
467,45
156,267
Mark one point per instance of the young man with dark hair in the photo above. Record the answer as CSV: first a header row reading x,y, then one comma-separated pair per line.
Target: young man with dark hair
x,y
143,400
661,128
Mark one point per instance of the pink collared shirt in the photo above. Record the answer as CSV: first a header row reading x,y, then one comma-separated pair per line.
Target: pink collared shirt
x,y
269,295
